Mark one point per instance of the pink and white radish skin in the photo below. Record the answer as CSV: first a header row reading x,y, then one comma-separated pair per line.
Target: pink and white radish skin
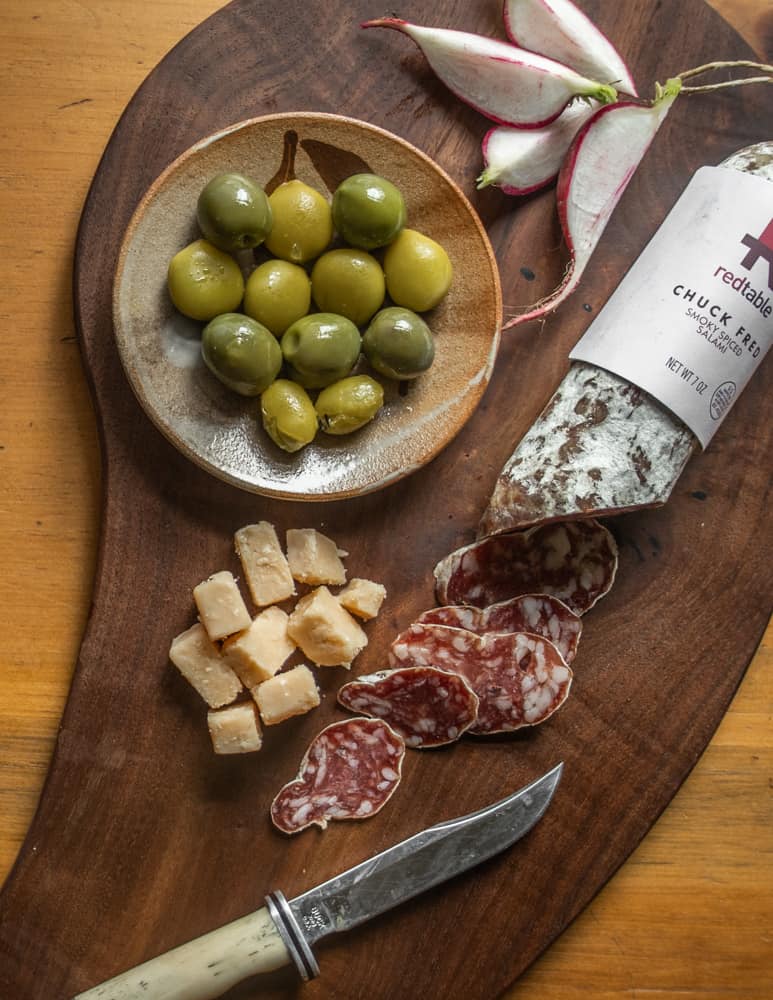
x,y
520,161
560,30
507,84
601,161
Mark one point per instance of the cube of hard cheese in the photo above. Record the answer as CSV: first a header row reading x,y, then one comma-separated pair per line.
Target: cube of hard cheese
x,y
265,567
314,558
362,597
325,631
285,695
235,729
198,660
259,652
221,607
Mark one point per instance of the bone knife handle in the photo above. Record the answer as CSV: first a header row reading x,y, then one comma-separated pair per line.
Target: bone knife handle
x,y
204,968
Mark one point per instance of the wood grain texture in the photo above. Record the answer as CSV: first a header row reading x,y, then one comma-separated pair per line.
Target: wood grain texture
x,y
689,911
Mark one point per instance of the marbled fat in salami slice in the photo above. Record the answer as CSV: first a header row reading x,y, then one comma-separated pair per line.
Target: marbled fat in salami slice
x,y
539,614
349,771
601,446
520,679
575,561
428,707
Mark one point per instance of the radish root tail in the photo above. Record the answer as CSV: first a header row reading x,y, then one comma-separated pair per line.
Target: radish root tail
x,y
733,64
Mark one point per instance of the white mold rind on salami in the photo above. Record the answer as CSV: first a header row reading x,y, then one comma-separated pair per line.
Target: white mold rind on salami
x,y
350,771
520,679
428,707
575,561
756,159
540,614
601,446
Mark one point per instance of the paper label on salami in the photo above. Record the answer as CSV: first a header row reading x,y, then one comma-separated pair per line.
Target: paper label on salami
x,y
693,318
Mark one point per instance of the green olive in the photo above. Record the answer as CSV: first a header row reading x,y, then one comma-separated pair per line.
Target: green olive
x,y
277,294
288,415
320,349
349,283
233,212
244,355
303,225
418,271
368,211
349,404
398,343
204,282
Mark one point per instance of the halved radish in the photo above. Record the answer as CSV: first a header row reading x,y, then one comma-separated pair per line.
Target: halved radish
x,y
505,83
520,160
559,29
601,161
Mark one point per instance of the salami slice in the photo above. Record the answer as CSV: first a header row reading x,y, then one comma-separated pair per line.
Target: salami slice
x,y
428,707
539,614
349,771
575,561
520,679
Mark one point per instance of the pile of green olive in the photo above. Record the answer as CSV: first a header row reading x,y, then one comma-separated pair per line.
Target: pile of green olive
x,y
313,303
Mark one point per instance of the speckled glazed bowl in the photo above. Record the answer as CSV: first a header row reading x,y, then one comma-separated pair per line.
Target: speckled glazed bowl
x,y
221,431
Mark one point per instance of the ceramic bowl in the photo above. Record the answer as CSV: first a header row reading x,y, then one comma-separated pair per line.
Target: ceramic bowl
x,y
222,431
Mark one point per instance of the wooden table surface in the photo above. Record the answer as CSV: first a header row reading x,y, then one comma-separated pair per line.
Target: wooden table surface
x,y
691,912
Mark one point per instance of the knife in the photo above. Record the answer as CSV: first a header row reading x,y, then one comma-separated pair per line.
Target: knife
x,y
283,932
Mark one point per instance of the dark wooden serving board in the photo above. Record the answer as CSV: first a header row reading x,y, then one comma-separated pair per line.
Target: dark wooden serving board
x,y
143,839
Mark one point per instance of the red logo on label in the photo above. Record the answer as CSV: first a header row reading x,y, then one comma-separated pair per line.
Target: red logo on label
x,y
761,246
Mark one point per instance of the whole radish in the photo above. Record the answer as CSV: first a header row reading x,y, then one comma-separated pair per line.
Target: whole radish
x,y
559,29
601,161
502,82
520,161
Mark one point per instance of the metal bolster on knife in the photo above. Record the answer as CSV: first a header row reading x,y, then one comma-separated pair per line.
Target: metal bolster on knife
x,y
292,935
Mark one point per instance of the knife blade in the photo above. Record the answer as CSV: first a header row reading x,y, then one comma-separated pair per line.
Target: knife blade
x,y
283,932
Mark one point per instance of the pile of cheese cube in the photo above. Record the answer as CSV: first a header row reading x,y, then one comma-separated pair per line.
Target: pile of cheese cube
x,y
228,650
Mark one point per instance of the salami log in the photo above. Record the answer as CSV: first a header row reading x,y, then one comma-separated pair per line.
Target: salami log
x,y
349,771
428,707
520,679
601,446
539,614
575,561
